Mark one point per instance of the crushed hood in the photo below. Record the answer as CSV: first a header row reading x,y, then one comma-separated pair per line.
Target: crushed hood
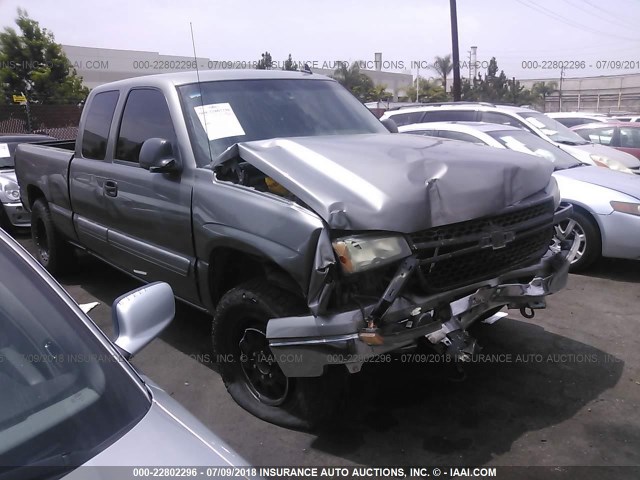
x,y
396,182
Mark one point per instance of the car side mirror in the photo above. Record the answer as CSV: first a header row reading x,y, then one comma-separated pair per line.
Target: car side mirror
x,y
390,124
156,155
141,315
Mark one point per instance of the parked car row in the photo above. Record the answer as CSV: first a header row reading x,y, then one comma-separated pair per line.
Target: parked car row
x,y
606,213
535,122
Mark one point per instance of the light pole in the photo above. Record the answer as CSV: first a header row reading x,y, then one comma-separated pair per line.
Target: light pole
x,y
455,51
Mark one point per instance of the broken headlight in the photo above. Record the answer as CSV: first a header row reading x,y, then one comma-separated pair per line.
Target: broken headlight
x,y
555,191
359,253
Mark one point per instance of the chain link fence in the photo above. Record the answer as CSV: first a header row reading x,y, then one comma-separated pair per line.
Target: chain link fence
x,y
59,121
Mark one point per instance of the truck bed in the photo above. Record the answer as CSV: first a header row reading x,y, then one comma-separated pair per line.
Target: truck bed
x,y
45,168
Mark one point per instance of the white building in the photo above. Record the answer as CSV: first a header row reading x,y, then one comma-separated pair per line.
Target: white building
x,y
102,65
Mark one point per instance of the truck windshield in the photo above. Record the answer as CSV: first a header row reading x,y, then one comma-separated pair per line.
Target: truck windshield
x,y
223,113
65,397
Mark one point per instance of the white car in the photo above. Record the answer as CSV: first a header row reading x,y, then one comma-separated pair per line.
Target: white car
x,y
571,119
606,204
627,118
535,122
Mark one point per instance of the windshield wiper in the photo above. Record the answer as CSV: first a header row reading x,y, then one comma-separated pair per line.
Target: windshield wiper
x,y
571,142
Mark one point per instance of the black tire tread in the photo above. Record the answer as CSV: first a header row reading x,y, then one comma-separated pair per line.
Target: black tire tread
x,y
312,400
61,253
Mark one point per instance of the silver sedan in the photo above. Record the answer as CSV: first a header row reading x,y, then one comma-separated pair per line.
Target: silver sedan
x,y
606,204
69,396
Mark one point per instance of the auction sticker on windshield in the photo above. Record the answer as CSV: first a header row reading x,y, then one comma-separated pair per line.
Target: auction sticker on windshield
x,y
4,150
219,121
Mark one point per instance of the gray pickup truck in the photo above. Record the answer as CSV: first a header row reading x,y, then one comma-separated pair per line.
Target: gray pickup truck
x,y
315,237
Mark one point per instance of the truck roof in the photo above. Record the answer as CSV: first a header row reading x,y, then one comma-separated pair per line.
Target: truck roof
x,y
187,77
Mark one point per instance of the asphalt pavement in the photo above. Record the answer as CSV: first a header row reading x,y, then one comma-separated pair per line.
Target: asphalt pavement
x,y
562,389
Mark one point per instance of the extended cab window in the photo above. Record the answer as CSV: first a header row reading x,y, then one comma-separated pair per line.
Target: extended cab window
x,y
146,115
98,124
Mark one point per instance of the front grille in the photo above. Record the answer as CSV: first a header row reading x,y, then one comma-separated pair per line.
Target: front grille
x,y
455,231
466,252
486,263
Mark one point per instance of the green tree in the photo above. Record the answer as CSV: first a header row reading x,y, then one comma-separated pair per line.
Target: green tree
x,y
379,93
541,90
494,87
355,81
443,67
265,62
290,65
429,90
34,64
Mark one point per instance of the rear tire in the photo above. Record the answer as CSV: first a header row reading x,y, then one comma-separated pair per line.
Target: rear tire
x,y
52,250
249,371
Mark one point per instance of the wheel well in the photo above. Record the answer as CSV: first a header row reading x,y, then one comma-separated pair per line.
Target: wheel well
x,y
33,194
590,216
229,267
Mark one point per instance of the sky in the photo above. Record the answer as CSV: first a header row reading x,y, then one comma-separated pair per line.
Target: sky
x,y
529,38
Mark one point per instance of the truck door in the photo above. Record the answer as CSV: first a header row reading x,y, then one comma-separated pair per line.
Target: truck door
x,y
150,213
89,170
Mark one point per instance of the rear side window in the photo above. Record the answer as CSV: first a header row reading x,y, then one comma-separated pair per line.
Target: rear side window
x,y
629,137
450,116
501,119
146,115
426,133
464,137
407,118
98,124
603,136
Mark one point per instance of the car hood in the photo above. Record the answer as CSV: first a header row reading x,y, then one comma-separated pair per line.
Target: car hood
x,y
624,158
401,183
168,435
604,177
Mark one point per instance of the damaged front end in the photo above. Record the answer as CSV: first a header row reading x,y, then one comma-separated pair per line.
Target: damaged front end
x,y
395,290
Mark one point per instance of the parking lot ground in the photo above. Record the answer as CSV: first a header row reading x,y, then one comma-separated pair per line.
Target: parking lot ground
x,y
562,389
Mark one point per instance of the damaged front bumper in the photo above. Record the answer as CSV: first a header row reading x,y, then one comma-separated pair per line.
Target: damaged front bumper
x,y
304,346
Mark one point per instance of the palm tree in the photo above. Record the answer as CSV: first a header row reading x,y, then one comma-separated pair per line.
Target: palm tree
x,y
543,90
355,81
443,67
430,90
348,76
379,93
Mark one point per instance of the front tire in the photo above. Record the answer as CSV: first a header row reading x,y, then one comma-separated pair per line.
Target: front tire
x,y
583,234
52,251
249,371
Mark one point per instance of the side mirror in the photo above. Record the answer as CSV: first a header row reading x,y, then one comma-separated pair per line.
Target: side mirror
x,y
156,155
141,315
390,124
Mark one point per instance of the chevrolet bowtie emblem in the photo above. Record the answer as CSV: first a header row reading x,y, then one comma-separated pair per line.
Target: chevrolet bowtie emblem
x,y
497,239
